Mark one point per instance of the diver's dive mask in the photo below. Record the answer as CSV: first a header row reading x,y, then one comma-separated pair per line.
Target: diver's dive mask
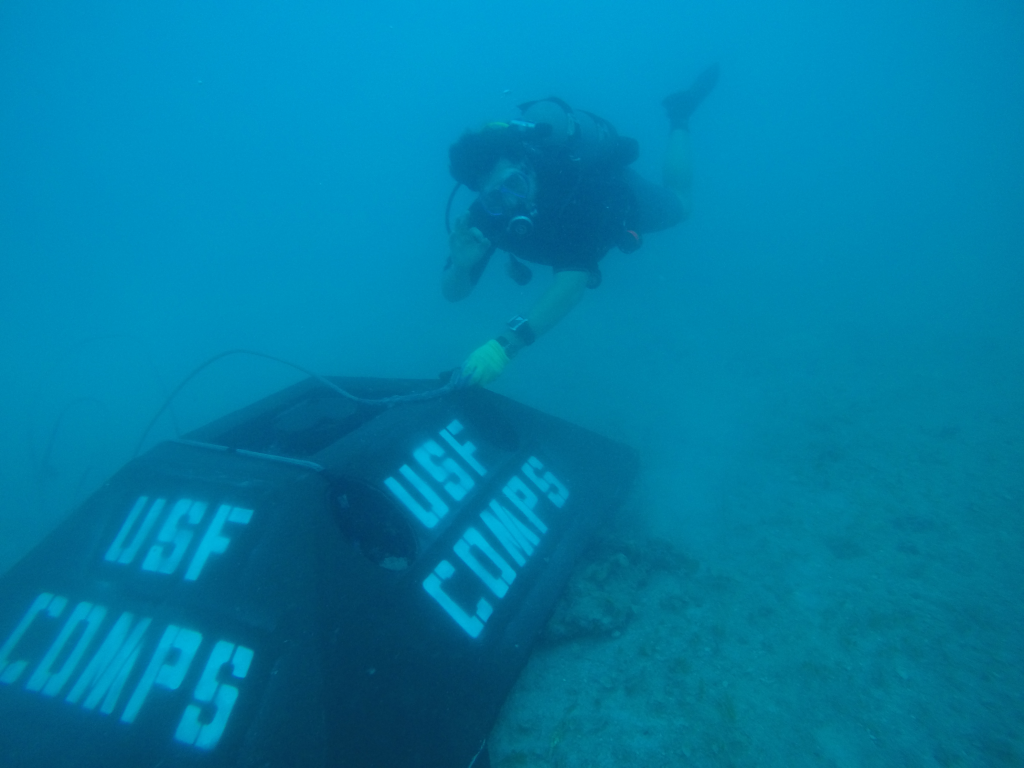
x,y
511,193
507,207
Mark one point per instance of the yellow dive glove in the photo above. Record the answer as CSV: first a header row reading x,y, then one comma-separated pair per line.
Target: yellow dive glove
x,y
485,364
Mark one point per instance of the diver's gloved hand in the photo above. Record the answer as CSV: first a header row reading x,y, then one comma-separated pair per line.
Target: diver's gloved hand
x,y
484,365
681,104
468,244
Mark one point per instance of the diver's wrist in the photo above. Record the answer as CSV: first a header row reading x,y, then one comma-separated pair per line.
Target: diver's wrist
x,y
510,344
521,330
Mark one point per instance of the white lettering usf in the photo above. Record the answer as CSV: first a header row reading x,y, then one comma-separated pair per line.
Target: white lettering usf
x,y
517,530
443,469
180,526
103,678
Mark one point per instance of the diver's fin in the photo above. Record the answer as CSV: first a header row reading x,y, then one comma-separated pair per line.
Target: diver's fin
x,y
681,104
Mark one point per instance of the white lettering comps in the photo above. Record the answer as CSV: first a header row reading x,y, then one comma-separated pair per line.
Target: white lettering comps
x,y
511,519
516,530
95,673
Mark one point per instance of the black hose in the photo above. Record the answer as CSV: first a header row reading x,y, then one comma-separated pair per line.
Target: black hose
x,y
454,383
448,208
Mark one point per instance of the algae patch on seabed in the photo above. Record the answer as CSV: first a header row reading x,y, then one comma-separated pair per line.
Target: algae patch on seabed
x,y
601,597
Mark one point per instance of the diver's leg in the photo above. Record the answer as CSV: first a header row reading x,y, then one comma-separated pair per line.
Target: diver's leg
x,y
678,172
678,169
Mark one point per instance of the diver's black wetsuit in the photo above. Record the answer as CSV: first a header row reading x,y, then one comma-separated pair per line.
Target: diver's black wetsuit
x,y
581,216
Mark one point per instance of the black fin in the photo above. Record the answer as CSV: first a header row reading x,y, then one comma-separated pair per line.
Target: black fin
x,y
681,104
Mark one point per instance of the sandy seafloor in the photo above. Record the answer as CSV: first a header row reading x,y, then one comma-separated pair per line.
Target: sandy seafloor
x,y
859,602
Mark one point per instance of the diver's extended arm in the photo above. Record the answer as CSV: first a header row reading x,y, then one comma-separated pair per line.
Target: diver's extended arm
x,y
564,293
487,362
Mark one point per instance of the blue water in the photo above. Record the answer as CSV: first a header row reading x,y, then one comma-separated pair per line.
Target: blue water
x,y
822,370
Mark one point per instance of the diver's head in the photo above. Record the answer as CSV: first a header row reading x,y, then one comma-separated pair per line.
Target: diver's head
x,y
507,200
496,162
475,155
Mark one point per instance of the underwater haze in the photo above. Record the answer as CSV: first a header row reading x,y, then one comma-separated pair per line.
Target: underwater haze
x,y
822,369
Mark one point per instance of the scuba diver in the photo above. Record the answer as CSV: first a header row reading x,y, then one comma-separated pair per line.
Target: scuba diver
x,y
555,188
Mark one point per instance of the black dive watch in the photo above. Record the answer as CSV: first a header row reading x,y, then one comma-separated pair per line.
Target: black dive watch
x,y
520,326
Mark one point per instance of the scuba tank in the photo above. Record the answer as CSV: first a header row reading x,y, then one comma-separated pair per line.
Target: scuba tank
x,y
583,137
